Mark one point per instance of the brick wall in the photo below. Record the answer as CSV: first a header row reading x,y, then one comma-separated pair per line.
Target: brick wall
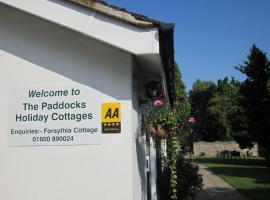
x,y
211,148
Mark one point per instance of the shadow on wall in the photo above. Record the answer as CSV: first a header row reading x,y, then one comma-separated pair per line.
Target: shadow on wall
x,y
139,142
141,165
66,53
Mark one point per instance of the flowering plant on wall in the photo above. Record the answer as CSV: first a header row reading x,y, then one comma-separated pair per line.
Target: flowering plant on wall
x,y
160,119
173,171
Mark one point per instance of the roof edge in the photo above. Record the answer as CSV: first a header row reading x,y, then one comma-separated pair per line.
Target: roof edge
x,y
166,35
118,13
166,46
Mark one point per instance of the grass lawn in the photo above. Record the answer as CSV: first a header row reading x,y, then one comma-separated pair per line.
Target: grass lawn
x,y
249,176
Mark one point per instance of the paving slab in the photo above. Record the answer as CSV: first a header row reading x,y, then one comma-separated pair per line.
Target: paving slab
x,y
216,189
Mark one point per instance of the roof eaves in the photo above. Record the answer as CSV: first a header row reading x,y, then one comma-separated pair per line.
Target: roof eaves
x,y
118,13
166,48
166,35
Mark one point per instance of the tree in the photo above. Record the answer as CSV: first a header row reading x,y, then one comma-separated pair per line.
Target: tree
x,y
222,109
215,107
199,97
256,97
239,121
182,108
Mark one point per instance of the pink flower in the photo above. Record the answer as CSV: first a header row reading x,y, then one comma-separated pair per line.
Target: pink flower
x,y
191,120
158,102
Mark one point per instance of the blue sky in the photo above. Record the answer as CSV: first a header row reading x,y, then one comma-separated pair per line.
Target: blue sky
x,y
211,36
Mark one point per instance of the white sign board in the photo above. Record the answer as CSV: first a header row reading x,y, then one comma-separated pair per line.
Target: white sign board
x,y
54,116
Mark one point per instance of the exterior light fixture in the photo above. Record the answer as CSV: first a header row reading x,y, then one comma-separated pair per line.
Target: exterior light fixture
x,y
153,89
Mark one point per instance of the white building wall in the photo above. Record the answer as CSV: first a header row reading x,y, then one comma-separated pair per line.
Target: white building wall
x,y
139,151
91,23
35,53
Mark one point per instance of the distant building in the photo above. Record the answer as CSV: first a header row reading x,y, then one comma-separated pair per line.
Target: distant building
x,y
73,76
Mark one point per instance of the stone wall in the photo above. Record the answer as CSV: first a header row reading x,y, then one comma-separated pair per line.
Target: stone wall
x,y
211,148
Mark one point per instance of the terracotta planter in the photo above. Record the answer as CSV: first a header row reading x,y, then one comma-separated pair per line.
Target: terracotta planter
x,y
157,131
162,132
151,129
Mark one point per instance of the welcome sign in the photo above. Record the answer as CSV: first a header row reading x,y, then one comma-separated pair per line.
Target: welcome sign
x,y
58,116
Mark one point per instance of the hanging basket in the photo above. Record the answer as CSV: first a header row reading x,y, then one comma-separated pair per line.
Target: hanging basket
x,y
162,132
151,129
157,131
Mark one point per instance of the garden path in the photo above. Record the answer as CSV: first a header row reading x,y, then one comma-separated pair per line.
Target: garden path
x,y
216,189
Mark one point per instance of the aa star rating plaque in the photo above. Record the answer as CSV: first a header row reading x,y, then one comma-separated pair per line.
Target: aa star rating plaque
x,y
111,118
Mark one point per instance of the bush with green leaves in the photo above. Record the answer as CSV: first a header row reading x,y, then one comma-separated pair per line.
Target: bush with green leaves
x,y
189,181
176,169
162,115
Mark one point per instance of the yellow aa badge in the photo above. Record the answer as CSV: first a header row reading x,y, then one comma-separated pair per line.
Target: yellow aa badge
x,y
111,118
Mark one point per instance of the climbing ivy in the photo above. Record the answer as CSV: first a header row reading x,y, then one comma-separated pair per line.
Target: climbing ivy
x,y
181,111
174,118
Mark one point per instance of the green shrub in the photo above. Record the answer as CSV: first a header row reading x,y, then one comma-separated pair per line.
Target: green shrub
x,y
162,115
189,181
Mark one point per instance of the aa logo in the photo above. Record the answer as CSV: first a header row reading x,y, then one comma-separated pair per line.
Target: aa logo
x,y
112,113
111,118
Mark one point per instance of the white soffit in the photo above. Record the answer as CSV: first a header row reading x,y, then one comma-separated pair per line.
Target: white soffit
x,y
111,31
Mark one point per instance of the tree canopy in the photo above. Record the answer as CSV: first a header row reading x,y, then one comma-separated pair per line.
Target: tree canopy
x,y
229,109
214,106
255,91
199,98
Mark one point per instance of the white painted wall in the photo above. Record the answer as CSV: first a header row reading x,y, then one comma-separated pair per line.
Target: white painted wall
x,y
92,24
35,53
138,140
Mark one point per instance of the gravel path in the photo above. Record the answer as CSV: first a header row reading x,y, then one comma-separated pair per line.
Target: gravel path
x,y
216,189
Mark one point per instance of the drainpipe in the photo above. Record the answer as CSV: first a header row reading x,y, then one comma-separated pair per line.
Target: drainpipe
x,y
153,169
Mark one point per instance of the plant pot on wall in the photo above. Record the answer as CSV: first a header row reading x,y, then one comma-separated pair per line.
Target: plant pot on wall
x,y
157,131
162,132
151,129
